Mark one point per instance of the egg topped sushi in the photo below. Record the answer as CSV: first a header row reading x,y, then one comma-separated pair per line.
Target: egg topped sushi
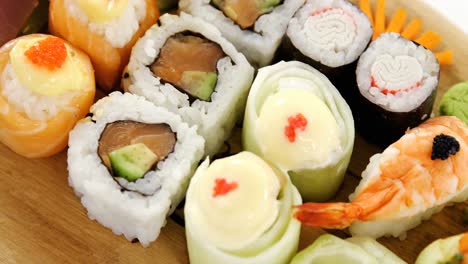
x,y
105,30
46,85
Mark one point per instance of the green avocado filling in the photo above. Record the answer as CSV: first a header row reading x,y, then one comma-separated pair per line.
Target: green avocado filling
x,y
133,161
199,84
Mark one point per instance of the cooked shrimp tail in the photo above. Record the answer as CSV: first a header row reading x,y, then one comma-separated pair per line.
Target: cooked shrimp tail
x,y
328,215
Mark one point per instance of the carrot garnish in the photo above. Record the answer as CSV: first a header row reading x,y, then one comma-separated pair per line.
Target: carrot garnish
x,y
379,25
366,9
398,21
429,40
413,29
445,57
222,187
49,53
463,244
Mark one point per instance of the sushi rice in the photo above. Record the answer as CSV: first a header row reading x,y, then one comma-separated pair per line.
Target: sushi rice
x,y
118,31
214,119
137,210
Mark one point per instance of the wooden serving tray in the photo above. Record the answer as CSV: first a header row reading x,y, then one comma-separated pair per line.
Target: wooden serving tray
x,y
42,221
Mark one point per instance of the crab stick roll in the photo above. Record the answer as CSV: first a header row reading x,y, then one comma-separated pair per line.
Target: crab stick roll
x,y
296,119
186,66
130,164
105,30
448,250
356,250
46,86
329,35
415,177
397,82
239,210
255,27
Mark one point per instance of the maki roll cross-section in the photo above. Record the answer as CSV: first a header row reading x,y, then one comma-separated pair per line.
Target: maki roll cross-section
x,y
186,66
255,27
130,164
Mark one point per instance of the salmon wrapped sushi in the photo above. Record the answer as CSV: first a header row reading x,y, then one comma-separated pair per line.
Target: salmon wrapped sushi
x,y
238,210
397,85
105,30
415,177
130,164
255,27
329,35
46,86
186,66
296,119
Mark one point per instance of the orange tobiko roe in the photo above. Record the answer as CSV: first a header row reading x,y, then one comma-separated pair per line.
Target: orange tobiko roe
x,y
49,53
223,187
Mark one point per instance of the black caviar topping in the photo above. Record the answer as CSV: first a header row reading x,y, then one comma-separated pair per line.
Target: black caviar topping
x,y
444,146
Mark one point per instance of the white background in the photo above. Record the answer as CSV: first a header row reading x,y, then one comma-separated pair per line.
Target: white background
x,y
455,10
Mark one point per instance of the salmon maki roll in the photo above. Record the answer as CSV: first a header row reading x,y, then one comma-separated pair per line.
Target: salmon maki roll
x,y
105,30
130,163
186,66
46,86
255,27
412,179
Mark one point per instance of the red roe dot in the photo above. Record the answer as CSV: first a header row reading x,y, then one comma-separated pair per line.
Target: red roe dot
x,y
222,187
386,91
49,53
298,122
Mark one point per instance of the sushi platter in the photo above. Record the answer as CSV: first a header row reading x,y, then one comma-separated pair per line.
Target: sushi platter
x,y
162,156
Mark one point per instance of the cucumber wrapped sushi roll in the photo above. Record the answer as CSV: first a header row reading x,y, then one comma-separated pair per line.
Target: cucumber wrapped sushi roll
x,y
397,82
329,35
448,250
105,29
255,27
296,119
329,249
130,163
239,210
186,66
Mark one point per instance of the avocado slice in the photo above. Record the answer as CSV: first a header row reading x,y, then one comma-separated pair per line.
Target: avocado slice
x,y
133,161
266,6
199,84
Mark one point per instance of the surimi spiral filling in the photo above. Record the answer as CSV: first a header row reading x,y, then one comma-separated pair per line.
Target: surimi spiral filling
x,y
397,74
116,20
332,32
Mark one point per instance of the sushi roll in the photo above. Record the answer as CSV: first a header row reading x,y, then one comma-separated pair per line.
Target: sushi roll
x,y
397,81
186,66
238,210
356,250
255,27
296,119
130,164
46,86
105,30
448,250
412,179
329,35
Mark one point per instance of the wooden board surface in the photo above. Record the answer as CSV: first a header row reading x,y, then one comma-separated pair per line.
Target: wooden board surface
x,y
42,221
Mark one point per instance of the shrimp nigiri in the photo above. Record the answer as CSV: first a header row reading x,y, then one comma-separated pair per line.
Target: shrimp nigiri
x,y
105,29
46,86
412,179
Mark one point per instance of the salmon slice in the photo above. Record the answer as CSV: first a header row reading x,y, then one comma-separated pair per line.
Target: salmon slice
x,y
159,138
35,138
245,12
185,54
108,61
